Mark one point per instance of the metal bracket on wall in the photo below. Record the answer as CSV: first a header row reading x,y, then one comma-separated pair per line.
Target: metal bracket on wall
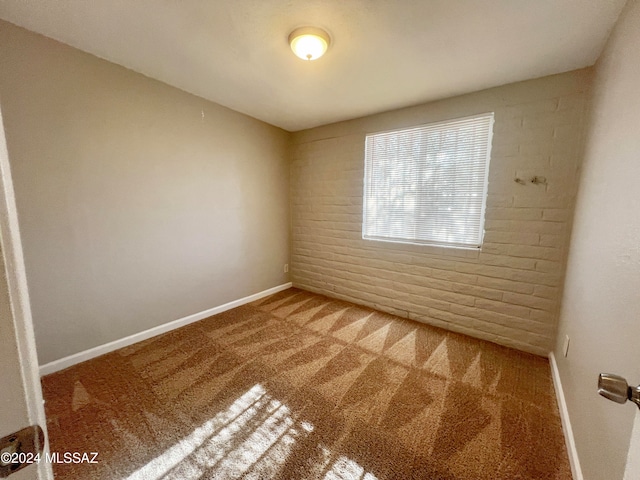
x,y
539,180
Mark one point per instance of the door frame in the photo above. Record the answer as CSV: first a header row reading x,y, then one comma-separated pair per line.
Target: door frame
x,y
19,299
632,469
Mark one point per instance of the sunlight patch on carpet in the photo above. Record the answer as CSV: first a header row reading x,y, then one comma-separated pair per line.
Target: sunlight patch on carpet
x,y
346,469
222,445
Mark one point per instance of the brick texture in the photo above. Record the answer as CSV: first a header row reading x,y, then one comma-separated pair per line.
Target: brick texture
x,y
509,291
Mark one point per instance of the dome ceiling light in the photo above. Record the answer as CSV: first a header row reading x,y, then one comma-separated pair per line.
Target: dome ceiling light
x,y
309,43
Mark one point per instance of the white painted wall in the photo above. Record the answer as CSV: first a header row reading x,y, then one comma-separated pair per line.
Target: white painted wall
x,y
139,204
601,303
509,292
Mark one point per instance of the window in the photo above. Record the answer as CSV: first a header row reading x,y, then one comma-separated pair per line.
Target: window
x,y
428,184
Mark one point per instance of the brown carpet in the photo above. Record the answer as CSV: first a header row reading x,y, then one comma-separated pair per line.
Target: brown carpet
x,y
300,386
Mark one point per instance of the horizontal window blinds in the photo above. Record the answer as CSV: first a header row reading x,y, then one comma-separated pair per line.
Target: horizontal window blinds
x,y
428,184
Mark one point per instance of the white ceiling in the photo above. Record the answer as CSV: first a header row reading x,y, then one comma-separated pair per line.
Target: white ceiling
x,y
385,54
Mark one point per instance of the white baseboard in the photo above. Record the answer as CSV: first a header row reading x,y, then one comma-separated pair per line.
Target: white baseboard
x,y
79,357
576,471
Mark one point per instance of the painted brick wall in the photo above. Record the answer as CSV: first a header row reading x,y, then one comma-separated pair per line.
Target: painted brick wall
x,y
508,292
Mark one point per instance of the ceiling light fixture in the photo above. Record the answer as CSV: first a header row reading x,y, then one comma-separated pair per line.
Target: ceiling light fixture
x,y
309,43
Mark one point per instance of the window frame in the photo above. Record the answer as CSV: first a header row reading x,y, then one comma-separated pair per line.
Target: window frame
x,y
367,184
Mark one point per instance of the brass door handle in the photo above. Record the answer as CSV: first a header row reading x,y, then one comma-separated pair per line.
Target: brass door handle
x,y
18,449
